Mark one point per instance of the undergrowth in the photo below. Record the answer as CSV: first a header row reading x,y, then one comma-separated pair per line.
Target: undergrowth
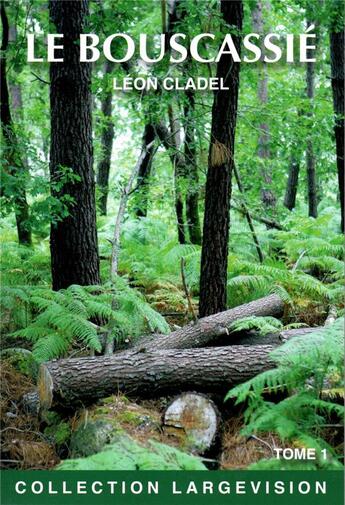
x,y
55,320
309,374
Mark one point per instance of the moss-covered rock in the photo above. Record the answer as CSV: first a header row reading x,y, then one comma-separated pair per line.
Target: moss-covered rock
x,y
102,424
90,437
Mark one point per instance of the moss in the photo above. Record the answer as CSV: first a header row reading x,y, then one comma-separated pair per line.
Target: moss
x,y
129,417
51,418
59,433
91,436
100,411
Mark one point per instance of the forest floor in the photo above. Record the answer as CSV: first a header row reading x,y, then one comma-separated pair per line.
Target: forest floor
x,y
30,442
311,282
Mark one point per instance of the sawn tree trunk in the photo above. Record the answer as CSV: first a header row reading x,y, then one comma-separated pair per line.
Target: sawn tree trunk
x,y
150,374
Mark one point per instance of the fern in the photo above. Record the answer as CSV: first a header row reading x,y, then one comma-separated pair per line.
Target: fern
x,y
68,316
264,325
127,454
305,367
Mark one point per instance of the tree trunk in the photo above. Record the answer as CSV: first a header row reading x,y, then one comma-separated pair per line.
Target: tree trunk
x,y
172,145
150,374
179,173
267,195
73,239
107,139
14,166
144,173
292,184
214,256
175,130
180,13
254,338
310,157
212,328
337,69
192,197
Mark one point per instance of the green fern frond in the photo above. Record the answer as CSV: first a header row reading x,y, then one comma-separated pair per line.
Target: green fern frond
x,y
304,365
264,325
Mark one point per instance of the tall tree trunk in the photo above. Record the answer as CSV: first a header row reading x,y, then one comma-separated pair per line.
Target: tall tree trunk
x,y
179,173
310,156
214,257
179,13
107,138
14,165
192,197
292,184
175,15
267,195
337,68
144,172
73,239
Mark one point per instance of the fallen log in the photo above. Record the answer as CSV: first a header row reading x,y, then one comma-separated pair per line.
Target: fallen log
x,y
254,338
207,330
69,382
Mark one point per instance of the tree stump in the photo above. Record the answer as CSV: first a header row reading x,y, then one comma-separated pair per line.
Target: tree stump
x,y
194,420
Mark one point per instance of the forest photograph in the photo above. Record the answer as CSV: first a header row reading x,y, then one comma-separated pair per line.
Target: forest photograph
x,y
172,235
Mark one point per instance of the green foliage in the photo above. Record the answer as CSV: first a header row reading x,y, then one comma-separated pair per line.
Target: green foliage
x,y
63,318
264,325
304,262
126,454
305,369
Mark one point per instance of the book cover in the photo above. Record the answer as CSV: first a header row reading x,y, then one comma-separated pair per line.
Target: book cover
x,y
172,226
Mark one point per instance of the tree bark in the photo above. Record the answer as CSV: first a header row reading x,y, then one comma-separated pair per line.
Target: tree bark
x,y
175,130
310,156
73,239
14,165
179,13
179,174
337,69
254,338
264,153
212,328
107,138
214,256
150,374
292,184
192,197
171,142
144,173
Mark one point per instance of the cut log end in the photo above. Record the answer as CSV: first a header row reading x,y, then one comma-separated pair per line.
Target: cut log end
x,y
194,418
45,388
